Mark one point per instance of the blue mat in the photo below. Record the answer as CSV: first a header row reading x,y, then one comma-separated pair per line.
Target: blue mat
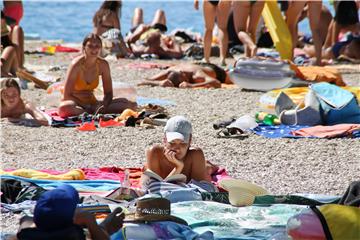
x,y
80,185
284,131
277,131
155,101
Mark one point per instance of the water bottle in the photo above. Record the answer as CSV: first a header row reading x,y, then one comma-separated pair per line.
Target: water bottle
x,y
266,118
125,186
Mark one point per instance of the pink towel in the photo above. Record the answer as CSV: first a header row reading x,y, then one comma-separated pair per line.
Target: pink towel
x,y
327,131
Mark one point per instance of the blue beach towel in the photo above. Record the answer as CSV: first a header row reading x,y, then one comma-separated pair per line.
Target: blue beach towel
x,y
155,101
277,131
79,185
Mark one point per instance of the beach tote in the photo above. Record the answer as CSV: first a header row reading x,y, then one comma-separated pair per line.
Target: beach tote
x,y
113,43
337,105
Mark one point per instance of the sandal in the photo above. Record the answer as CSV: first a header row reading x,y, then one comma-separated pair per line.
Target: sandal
x,y
231,133
87,126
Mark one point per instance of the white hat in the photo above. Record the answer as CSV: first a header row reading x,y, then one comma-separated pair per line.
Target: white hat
x,y
178,127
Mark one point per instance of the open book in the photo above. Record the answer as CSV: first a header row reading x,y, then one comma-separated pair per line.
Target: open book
x,y
174,178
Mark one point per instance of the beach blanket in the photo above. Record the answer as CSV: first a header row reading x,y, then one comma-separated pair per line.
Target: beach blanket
x,y
228,222
84,187
148,65
58,48
113,174
318,74
301,131
277,131
76,174
339,130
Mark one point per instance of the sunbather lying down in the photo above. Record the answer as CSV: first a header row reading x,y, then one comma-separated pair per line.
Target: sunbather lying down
x,y
347,49
150,39
190,75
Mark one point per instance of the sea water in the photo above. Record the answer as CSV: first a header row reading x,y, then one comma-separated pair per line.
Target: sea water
x,y
72,20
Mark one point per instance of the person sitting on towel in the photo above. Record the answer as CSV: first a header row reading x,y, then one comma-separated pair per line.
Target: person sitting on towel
x,y
149,39
83,78
175,155
190,75
13,107
56,216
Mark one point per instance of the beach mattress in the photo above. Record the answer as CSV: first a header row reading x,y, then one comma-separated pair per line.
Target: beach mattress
x,y
278,29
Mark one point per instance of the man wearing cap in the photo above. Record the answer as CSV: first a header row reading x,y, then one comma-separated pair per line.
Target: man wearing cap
x,y
175,155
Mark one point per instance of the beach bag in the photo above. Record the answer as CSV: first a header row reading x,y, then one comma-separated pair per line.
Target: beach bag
x,y
113,43
17,191
338,221
337,105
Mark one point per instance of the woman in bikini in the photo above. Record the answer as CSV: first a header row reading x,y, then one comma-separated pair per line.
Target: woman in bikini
x,y
83,77
219,11
107,17
246,18
13,107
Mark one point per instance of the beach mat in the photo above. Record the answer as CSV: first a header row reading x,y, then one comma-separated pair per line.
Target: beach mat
x,y
285,131
228,222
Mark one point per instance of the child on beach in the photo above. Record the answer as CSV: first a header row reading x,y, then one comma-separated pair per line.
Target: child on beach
x,y
13,107
175,155
83,77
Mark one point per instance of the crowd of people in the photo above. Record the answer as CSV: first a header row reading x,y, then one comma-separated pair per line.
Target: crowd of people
x,y
331,38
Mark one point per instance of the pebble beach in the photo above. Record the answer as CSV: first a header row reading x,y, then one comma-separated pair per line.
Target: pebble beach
x,y
280,165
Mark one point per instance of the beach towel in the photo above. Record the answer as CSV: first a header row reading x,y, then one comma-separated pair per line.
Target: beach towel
x,y
228,222
339,130
76,174
148,65
277,131
318,74
59,48
84,187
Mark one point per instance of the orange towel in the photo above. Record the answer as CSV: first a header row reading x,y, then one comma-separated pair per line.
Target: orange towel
x,y
318,74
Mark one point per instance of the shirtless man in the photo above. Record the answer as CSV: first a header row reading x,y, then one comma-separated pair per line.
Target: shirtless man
x,y
150,37
175,155
189,75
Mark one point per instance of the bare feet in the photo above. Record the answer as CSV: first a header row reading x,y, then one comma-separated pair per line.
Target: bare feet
x,y
114,221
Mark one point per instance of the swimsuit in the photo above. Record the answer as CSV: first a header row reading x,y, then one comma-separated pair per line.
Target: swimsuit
x,y
81,85
220,73
15,11
339,45
214,2
5,39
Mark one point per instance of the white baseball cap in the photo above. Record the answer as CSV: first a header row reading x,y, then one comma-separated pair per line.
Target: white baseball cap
x,y
178,127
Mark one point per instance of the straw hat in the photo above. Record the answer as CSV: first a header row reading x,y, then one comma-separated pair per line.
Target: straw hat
x,y
153,210
242,193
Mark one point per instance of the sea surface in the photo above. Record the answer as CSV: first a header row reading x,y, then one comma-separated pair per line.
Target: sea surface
x,y
72,20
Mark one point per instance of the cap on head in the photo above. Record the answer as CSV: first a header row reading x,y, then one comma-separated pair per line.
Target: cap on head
x,y
178,127
55,209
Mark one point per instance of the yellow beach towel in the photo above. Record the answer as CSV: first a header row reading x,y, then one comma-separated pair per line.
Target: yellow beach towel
x,y
76,174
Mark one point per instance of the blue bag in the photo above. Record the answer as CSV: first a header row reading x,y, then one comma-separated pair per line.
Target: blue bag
x,y
337,105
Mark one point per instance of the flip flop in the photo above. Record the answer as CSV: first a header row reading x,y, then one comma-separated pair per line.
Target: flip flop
x,y
231,133
110,123
87,126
